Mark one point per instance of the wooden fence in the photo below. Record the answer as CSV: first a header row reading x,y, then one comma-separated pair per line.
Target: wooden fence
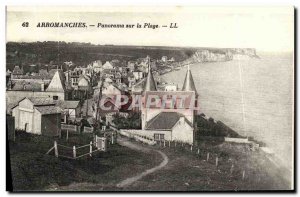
x,y
88,129
70,128
209,157
74,152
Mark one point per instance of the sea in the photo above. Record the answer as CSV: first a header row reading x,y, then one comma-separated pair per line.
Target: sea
x,y
253,96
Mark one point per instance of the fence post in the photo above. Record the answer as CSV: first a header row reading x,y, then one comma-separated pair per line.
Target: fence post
x,y
164,143
112,139
243,174
198,152
217,161
55,149
175,143
74,152
67,135
169,144
191,148
231,169
91,148
207,157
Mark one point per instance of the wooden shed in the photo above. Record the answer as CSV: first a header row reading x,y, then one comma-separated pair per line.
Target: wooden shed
x,y
38,116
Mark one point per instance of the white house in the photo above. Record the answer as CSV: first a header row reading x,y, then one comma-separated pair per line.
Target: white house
x,y
171,126
172,117
38,116
83,82
107,66
97,66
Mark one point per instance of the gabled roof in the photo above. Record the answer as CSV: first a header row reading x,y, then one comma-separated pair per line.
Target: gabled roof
x,y
86,77
57,83
165,121
18,71
97,64
27,86
36,101
188,84
107,65
40,101
44,110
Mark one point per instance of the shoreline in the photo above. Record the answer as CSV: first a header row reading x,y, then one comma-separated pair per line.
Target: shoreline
x,y
277,158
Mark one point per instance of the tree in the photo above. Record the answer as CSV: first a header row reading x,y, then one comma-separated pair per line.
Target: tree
x,y
133,121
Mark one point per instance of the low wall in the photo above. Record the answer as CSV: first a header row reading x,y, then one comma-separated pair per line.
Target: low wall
x,y
133,132
237,140
138,135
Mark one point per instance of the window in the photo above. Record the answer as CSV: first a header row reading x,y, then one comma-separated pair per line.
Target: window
x,y
159,137
55,97
162,137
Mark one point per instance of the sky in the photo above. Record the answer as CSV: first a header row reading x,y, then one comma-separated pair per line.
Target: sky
x,y
264,28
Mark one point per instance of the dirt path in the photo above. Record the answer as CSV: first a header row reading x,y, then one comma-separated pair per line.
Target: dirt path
x,y
129,181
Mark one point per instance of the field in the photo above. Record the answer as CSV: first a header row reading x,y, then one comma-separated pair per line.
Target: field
x,y
188,171
33,170
237,169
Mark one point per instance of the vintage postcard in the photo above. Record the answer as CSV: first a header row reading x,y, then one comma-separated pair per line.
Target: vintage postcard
x,y
150,98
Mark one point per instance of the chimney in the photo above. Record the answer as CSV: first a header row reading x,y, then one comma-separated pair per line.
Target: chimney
x,y
42,86
181,119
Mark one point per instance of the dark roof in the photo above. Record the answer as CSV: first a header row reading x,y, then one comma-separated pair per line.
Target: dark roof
x,y
164,121
188,84
67,104
150,84
44,110
40,101
27,86
38,76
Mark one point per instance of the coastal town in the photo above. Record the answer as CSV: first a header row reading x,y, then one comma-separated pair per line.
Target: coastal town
x,y
115,116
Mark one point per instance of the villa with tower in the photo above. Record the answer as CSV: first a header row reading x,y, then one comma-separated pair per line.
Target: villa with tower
x,y
169,115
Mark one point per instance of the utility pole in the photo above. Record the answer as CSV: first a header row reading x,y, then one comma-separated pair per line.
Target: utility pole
x,y
99,97
87,103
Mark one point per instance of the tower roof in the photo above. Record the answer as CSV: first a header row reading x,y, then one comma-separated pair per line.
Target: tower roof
x,y
57,83
150,84
188,84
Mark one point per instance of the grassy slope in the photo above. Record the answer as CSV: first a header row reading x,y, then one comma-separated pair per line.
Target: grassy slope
x,y
188,171
33,170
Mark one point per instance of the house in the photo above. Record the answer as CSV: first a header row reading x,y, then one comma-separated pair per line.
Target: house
x,y
18,71
131,66
97,66
38,116
107,104
117,77
70,110
171,126
164,59
110,90
170,87
171,116
57,89
33,86
138,74
84,70
107,66
84,82
131,80
59,86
